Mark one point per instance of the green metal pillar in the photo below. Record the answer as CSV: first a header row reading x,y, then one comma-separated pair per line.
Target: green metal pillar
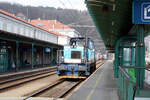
x,y
116,65
43,56
131,71
140,56
132,56
52,56
122,57
17,55
32,55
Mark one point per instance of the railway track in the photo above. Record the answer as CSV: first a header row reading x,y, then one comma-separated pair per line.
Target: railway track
x,y
12,82
54,87
62,95
58,89
15,75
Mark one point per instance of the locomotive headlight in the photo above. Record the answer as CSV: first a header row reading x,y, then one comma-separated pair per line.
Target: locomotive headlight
x,y
82,60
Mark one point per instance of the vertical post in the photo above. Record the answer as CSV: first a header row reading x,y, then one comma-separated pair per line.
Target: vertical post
x,y
132,57
86,47
43,56
52,56
122,56
32,55
17,55
140,56
116,64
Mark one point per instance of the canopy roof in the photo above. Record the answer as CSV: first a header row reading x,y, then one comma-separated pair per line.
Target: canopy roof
x,y
113,19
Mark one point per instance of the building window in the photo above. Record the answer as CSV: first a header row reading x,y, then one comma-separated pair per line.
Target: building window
x,y
1,23
21,29
32,33
15,28
9,27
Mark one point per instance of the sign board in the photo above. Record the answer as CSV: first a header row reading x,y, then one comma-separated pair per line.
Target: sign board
x,y
141,12
47,49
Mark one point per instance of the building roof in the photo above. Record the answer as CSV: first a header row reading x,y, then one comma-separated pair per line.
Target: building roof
x,y
13,16
51,24
20,15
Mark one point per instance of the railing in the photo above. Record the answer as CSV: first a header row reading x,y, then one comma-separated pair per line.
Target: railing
x,y
126,84
18,27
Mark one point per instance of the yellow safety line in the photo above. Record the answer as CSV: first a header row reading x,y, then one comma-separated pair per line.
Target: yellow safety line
x,y
95,85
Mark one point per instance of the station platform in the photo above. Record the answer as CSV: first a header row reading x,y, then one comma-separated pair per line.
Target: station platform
x,y
101,85
24,69
7,75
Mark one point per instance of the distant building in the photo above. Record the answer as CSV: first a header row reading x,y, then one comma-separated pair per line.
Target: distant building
x,y
56,26
21,15
65,32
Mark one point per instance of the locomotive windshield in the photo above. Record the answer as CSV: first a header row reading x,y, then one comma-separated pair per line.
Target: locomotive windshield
x,y
77,41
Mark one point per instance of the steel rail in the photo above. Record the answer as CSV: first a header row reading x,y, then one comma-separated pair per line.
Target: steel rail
x,y
10,75
69,90
27,76
63,94
44,89
23,82
74,86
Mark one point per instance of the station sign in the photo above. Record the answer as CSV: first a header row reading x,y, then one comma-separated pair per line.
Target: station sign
x,y
141,12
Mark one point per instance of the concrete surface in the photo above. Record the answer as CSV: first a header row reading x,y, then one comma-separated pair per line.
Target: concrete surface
x,y
101,86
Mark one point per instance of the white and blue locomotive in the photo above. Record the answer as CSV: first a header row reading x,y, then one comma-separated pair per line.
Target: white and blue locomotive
x,y
77,60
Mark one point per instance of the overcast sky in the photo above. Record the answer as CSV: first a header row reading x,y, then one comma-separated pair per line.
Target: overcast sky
x,y
75,4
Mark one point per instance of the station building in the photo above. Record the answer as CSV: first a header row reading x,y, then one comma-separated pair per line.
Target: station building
x,y
24,45
65,31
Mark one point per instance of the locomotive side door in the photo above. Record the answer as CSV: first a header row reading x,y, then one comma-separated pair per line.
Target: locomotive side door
x,y
91,51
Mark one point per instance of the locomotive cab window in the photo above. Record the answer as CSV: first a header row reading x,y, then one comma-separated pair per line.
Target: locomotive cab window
x,y
77,42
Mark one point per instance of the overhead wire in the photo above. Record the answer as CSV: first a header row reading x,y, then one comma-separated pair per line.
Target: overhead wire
x,y
71,14
71,4
81,20
71,24
62,3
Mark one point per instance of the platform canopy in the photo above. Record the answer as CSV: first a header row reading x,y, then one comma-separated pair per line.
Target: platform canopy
x,y
113,19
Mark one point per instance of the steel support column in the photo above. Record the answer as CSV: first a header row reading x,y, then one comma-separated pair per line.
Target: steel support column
x,y
122,57
132,56
52,56
17,55
140,56
32,55
116,63
43,56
